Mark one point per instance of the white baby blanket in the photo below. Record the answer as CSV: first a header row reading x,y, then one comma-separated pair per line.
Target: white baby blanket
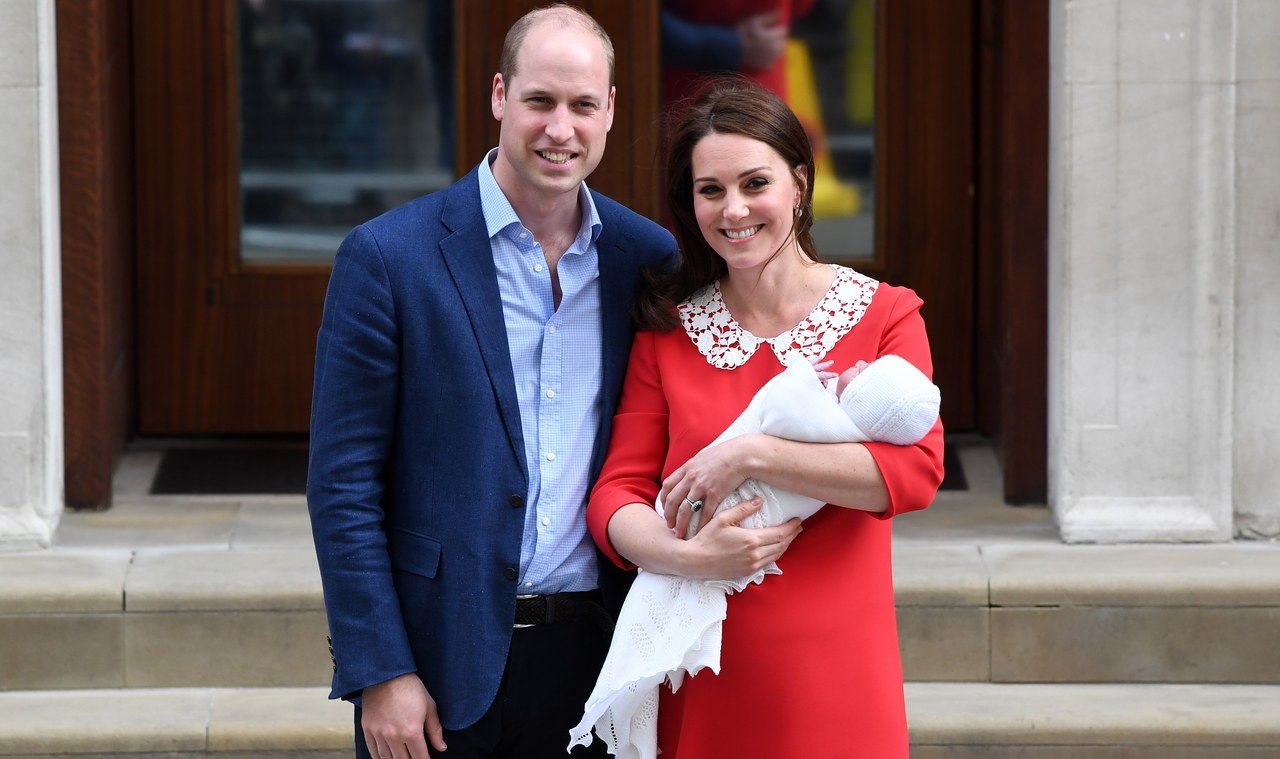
x,y
671,625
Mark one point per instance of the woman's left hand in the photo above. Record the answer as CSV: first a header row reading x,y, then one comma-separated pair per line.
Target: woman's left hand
x,y
705,480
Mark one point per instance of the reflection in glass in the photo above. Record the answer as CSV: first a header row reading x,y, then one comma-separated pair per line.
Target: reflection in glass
x,y
346,111
831,87
825,72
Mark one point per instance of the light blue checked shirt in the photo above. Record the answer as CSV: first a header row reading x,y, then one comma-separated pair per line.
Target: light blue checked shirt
x,y
556,358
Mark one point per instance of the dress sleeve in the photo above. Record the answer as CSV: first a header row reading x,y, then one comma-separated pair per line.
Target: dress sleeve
x,y
633,467
912,473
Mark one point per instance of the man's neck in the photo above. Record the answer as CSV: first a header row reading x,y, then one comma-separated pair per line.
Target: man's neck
x,y
551,219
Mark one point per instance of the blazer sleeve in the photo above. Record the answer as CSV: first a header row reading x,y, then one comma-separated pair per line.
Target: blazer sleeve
x,y
353,413
912,473
637,447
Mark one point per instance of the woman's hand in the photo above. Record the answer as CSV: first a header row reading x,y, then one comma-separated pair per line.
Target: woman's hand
x,y
705,480
723,550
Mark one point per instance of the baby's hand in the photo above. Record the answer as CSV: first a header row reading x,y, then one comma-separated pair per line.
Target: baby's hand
x,y
848,374
821,368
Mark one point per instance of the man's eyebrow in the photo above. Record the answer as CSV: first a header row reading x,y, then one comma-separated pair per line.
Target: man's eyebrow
x,y
740,176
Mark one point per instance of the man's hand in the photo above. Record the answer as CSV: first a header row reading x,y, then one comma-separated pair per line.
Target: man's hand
x,y
397,718
763,40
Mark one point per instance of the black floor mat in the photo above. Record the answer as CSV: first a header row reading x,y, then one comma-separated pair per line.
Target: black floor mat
x,y
954,478
224,471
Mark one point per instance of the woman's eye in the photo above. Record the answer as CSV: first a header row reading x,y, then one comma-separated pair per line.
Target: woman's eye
x,y
708,190
757,183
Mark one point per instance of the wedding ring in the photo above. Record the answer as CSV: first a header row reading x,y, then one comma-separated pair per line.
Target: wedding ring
x,y
694,506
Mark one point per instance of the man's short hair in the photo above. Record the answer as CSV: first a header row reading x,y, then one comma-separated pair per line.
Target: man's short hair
x,y
561,12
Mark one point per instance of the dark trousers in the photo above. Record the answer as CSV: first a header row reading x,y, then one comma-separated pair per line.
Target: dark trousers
x,y
550,671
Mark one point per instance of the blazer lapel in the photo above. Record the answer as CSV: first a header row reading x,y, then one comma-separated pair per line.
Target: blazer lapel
x,y
617,285
469,258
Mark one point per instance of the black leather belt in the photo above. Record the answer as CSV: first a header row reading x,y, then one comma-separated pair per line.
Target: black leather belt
x,y
581,606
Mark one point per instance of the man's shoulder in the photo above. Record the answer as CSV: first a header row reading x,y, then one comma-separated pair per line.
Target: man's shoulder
x,y
424,219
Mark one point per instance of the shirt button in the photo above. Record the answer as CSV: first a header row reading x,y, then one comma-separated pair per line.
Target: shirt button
x,y
510,573
528,584
552,329
516,500
546,521
537,267
524,235
551,393
551,456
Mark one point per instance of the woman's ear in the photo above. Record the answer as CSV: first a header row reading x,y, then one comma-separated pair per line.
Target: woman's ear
x,y
801,172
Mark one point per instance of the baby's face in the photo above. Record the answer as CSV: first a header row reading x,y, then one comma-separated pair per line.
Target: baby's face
x,y
848,374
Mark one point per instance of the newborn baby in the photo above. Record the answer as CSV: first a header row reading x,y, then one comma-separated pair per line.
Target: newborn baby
x,y
671,625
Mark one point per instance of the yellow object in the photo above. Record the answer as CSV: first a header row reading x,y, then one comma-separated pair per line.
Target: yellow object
x,y
831,197
860,62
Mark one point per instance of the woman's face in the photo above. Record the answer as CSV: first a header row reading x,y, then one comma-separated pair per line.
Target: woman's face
x,y
744,198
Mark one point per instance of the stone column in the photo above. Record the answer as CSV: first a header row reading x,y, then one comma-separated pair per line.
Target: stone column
x,y
1141,258
1257,225
30,278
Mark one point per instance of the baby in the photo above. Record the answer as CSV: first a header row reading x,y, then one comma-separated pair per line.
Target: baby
x,y
671,625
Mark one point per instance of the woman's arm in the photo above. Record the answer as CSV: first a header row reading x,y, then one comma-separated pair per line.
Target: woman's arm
x,y
720,550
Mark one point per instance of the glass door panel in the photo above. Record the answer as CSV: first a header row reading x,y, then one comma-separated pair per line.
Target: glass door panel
x,y
345,111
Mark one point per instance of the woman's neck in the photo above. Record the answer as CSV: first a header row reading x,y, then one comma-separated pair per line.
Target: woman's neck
x,y
767,302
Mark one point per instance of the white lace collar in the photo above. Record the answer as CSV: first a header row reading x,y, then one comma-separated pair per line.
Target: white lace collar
x,y
726,345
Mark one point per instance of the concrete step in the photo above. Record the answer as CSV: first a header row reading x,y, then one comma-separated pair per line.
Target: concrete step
x,y
1013,612
1045,612
948,721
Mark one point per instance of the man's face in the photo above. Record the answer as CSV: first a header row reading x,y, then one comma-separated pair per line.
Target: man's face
x,y
555,112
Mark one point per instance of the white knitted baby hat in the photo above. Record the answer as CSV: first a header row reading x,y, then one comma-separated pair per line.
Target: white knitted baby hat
x,y
891,401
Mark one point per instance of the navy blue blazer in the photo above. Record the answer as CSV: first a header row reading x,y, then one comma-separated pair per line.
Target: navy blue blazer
x,y
416,482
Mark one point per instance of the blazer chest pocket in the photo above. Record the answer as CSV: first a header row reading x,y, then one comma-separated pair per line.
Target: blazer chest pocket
x,y
412,552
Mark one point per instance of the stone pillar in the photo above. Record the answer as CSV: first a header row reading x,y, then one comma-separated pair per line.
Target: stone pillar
x,y
1141,269
30,278
1257,225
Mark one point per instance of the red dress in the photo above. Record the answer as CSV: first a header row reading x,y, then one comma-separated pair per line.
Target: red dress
x,y
809,659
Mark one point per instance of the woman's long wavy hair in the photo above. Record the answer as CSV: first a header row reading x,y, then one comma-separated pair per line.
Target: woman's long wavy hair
x,y
725,106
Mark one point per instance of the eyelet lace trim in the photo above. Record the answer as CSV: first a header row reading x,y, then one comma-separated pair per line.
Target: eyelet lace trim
x,y
726,345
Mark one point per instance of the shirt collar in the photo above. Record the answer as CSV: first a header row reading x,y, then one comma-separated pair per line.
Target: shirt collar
x,y
499,215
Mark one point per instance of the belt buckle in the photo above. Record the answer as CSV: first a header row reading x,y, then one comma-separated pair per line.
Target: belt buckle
x,y
520,597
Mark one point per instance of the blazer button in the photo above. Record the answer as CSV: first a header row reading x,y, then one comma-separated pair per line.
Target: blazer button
x,y
516,500
510,573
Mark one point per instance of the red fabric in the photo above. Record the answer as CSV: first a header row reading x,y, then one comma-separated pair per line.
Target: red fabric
x,y
679,82
810,662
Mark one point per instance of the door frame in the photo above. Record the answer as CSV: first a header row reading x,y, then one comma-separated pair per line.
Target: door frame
x,y
98,198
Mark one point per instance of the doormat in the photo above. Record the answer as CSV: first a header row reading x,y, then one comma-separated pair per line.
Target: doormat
x,y
953,478
227,471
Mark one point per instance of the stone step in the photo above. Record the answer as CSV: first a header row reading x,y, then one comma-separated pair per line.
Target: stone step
x,y
948,721
1011,612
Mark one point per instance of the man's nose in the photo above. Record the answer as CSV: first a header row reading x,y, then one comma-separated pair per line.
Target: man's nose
x,y
559,126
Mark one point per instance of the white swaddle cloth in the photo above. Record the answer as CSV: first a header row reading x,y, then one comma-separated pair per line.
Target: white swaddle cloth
x,y
671,625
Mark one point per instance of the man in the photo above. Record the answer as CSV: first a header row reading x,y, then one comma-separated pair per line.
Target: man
x,y
467,371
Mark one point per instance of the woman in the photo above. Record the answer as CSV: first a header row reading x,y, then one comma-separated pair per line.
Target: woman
x,y
809,659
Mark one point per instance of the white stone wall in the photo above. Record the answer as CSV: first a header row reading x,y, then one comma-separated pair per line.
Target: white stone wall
x,y
1257,228
30,305
1142,268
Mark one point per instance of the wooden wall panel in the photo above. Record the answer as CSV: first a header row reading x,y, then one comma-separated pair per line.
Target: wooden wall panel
x,y
97,241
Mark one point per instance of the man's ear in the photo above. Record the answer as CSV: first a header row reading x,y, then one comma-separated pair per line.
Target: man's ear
x,y
609,109
498,98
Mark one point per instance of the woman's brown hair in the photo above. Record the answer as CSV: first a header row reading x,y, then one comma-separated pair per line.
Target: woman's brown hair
x,y
725,106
